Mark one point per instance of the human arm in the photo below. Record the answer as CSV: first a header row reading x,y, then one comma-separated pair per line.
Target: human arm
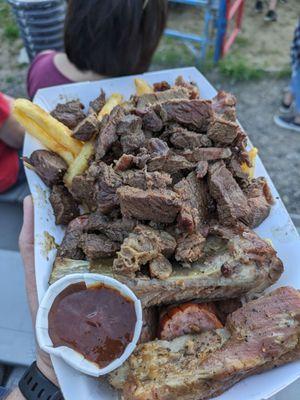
x,y
11,131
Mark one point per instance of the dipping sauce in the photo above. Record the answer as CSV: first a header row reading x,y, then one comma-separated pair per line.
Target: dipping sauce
x,y
96,321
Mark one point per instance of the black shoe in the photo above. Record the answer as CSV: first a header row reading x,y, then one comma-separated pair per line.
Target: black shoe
x,y
287,122
259,6
271,16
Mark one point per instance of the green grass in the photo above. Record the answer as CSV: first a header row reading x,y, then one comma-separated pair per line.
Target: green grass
x,y
8,26
238,69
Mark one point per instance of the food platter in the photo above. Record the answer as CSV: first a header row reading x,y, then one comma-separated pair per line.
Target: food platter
x,y
277,227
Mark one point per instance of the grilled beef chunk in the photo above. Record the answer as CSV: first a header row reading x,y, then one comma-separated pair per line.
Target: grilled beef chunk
x,y
259,201
249,344
222,131
97,104
196,203
185,139
206,154
189,248
190,86
106,183
193,114
161,86
87,128
232,204
116,230
152,99
64,206
146,180
151,121
150,322
141,246
49,166
224,105
83,190
108,132
98,246
235,168
70,113
158,205
132,137
69,247
187,318
160,267
201,169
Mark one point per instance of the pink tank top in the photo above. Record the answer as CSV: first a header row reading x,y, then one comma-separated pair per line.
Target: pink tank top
x,y
43,73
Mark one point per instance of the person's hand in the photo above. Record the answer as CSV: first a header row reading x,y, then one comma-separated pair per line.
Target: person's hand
x,y
26,244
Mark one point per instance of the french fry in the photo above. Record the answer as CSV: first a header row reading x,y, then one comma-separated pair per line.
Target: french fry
x,y
80,163
113,101
58,131
252,156
142,87
39,133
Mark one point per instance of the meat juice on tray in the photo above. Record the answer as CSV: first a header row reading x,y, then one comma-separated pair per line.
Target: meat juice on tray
x,y
166,203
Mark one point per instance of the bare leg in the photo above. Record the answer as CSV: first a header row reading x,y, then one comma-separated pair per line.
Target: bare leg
x,y
272,5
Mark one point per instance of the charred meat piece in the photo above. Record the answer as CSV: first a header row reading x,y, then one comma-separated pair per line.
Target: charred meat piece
x,y
141,246
160,267
259,201
190,86
83,190
116,230
206,154
161,86
108,132
222,131
70,113
146,180
98,246
201,169
124,163
49,166
150,322
249,344
196,203
232,204
130,131
97,104
187,318
189,248
69,247
224,105
152,99
193,114
87,128
158,205
64,206
185,139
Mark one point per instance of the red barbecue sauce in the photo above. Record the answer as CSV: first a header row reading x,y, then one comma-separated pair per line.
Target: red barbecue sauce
x,y
97,322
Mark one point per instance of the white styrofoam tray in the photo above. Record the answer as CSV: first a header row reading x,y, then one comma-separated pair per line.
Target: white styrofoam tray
x,y
278,227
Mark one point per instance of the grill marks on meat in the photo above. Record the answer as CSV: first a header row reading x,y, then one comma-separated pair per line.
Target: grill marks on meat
x,y
98,246
64,206
49,166
144,244
232,204
193,114
258,336
187,318
158,205
70,113
87,128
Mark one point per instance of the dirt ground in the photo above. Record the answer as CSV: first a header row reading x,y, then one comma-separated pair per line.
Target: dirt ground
x,y
264,45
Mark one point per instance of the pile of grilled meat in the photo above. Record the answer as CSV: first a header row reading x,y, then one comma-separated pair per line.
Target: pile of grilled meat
x,y
166,207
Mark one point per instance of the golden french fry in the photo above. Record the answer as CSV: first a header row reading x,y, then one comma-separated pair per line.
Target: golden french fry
x,y
39,133
80,163
252,156
58,131
113,101
142,87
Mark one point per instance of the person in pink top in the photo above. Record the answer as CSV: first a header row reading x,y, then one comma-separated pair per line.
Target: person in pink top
x,y
103,38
